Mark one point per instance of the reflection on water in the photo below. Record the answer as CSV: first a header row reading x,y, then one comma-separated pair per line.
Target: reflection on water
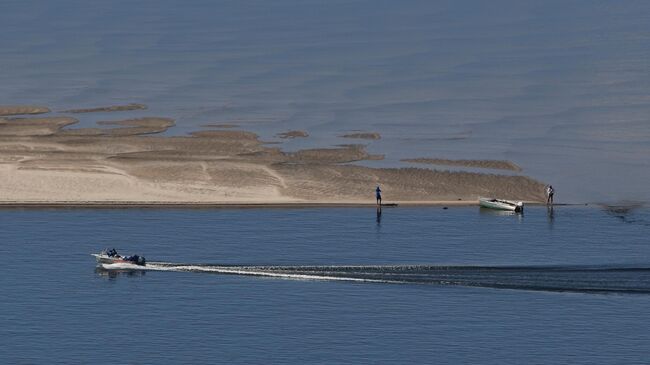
x,y
378,215
551,215
495,212
114,274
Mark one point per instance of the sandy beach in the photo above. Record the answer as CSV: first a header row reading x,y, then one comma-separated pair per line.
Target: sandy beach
x,y
43,161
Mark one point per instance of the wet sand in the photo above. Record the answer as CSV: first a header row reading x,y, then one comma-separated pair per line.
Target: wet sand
x,y
125,163
6,110
212,205
113,108
362,135
293,134
484,164
127,127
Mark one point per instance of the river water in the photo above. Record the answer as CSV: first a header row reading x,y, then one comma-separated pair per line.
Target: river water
x,y
328,285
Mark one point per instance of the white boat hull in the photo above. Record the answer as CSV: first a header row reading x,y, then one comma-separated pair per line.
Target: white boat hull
x,y
501,204
104,259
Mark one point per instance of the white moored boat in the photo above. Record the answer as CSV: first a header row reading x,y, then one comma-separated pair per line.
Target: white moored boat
x,y
501,204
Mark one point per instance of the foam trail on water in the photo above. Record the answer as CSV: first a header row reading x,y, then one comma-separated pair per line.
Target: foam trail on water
x,y
584,279
252,272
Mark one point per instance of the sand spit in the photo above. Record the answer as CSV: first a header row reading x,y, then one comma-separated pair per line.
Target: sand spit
x,y
485,164
114,108
41,163
293,134
364,135
320,156
132,127
33,126
227,135
7,110
128,127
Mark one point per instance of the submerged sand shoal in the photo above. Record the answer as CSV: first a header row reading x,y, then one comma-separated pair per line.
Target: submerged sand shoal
x,y
484,164
112,108
362,135
43,161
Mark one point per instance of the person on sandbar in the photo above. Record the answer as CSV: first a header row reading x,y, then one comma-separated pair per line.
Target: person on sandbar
x,y
378,195
549,195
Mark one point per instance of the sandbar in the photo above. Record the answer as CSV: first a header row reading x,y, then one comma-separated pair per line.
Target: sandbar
x,y
127,163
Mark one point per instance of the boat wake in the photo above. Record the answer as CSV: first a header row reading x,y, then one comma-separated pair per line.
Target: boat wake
x,y
583,279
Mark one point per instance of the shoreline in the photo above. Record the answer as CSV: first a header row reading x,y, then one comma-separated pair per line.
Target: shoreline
x,y
238,205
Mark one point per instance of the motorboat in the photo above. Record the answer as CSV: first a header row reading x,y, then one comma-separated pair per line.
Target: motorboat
x,y
112,257
501,204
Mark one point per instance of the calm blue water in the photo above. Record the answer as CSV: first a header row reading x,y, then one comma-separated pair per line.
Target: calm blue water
x,y
56,308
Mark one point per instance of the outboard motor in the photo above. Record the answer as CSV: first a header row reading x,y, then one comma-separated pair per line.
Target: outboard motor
x,y
520,207
138,260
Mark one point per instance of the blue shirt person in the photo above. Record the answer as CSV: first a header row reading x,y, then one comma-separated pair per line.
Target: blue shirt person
x,y
378,195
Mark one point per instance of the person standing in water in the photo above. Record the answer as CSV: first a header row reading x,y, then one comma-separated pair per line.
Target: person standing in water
x,y
378,195
549,195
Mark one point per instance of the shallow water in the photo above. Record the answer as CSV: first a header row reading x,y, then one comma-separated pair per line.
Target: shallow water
x,y
415,284
559,88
